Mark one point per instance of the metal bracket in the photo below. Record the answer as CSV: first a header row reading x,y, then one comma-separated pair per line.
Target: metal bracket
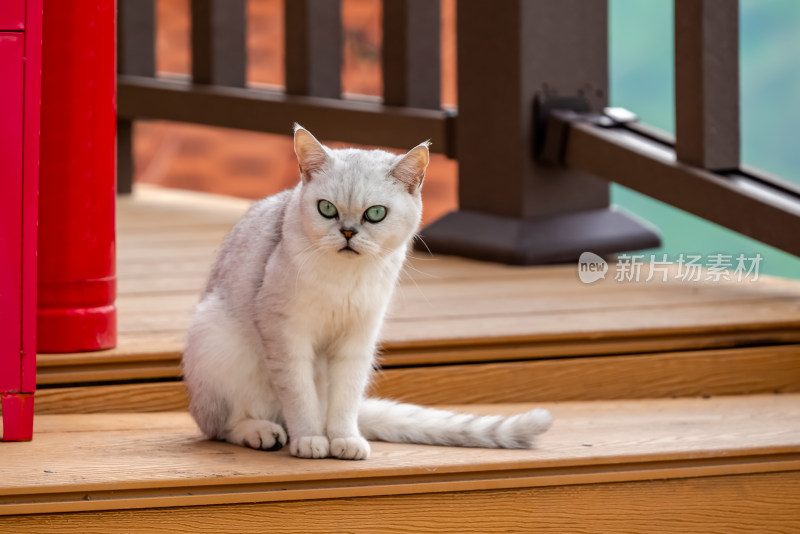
x,y
548,238
554,117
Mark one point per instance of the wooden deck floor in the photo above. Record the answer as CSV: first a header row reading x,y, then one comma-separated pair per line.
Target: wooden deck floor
x,y
472,331
608,359
446,309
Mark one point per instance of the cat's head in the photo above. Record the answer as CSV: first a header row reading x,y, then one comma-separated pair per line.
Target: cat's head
x,y
359,203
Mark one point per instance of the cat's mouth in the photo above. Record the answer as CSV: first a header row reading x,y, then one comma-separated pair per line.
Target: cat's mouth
x,y
347,248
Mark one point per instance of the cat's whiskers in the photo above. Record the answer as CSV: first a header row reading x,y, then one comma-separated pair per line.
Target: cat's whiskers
x,y
404,273
422,258
373,248
408,265
413,281
308,248
315,252
418,236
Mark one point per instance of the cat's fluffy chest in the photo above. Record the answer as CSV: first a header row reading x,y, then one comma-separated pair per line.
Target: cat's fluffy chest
x,y
327,305
336,296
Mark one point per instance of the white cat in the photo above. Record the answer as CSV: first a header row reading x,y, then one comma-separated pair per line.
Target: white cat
x,y
283,339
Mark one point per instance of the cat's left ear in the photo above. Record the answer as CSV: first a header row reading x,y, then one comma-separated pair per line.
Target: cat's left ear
x,y
311,155
410,170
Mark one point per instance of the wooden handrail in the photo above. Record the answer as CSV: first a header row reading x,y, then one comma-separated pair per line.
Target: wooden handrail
x,y
261,110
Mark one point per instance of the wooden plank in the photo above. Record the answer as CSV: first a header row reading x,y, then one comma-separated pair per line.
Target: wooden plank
x,y
109,461
394,356
418,286
503,295
709,319
715,505
151,397
413,304
113,373
179,201
134,358
431,331
168,284
691,373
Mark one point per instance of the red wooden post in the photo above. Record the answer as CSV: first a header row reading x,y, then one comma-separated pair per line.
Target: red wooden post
x,y
77,282
20,71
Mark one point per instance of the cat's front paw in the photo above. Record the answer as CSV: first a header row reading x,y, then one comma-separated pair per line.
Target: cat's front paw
x,y
310,447
258,434
352,448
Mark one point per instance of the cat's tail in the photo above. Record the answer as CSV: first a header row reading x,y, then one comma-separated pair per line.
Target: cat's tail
x,y
385,420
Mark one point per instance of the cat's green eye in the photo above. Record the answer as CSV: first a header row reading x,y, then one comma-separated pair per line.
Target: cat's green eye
x,y
327,209
375,214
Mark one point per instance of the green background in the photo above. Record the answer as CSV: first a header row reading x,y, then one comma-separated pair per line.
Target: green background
x,y
642,77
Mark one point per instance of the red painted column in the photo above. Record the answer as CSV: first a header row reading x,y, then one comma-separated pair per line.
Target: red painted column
x,y
77,282
20,73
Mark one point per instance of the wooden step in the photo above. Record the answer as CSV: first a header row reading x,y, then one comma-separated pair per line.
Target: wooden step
x,y
672,465
450,313
747,370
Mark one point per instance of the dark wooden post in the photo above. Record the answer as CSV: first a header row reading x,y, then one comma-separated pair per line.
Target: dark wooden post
x,y
313,48
707,83
512,208
411,53
135,55
219,52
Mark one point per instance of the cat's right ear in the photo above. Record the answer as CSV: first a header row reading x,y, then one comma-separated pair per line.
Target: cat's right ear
x,y
311,155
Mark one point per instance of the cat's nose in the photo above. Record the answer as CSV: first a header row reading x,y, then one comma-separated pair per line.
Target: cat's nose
x,y
348,233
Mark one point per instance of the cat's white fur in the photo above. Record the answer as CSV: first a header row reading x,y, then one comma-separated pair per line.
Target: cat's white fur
x,y
283,340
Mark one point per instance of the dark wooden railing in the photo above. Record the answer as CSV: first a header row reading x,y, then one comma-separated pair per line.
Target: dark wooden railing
x,y
216,95
699,169
536,154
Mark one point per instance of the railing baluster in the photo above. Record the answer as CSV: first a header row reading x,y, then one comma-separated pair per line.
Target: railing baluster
x,y
313,30
707,83
136,46
412,53
219,54
136,54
